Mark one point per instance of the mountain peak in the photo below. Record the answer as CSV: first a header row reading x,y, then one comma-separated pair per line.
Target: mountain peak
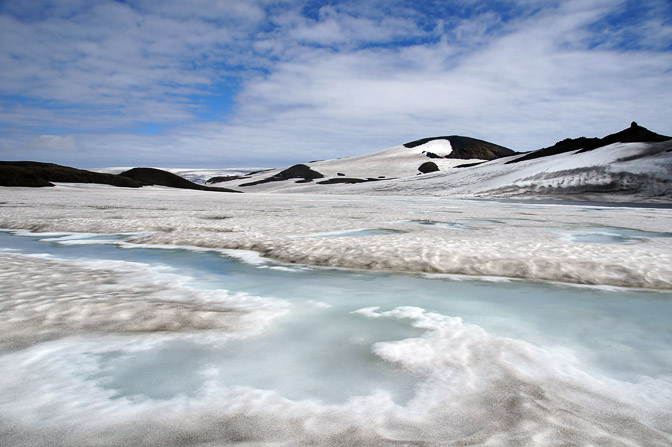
x,y
633,134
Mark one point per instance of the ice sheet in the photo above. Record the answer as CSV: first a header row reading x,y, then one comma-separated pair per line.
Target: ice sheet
x,y
178,347
516,240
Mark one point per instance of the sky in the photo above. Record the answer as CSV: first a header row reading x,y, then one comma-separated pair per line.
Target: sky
x,y
262,83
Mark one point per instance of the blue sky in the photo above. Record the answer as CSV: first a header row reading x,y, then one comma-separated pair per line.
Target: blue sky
x,y
269,83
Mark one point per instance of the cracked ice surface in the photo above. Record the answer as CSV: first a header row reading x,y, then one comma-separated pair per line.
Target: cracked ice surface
x,y
413,234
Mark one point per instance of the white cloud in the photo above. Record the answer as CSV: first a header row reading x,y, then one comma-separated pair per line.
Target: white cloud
x,y
333,84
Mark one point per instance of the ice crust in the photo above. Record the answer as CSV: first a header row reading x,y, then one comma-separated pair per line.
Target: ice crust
x,y
44,299
483,238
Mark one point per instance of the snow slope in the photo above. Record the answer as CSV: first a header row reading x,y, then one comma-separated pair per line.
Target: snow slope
x,y
395,162
620,171
631,170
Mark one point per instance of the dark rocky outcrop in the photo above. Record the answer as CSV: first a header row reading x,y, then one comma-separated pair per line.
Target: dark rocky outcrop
x,y
152,176
467,148
16,176
224,178
469,165
333,181
33,173
257,172
432,155
634,134
299,171
427,167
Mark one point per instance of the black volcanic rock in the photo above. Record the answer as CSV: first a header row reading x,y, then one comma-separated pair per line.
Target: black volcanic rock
x,y
432,155
17,176
633,134
336,180
299,171
221,179
427,167
33,173
566,145
469,165
152,176
467,148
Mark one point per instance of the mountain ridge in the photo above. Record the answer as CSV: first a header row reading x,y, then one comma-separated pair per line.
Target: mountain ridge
x,y
634,134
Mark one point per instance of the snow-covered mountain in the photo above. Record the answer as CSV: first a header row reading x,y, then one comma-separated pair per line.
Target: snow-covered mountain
x,y
634,164
410,159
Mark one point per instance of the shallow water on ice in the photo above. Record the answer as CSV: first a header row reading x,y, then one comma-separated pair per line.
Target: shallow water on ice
x,y
341,336
349,233
614,235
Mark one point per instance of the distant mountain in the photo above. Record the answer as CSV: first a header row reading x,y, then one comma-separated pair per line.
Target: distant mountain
x,y
152,176
634,134
617,172
466,148
36,174
415,158
632,165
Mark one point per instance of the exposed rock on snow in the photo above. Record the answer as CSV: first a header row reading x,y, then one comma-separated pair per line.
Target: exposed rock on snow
x,y
432,155
16,176
333,181
467,148
36,174
427,167
299,171
634,134
221,179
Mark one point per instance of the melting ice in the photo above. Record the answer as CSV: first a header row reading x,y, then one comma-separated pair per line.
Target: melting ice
x,y
106,345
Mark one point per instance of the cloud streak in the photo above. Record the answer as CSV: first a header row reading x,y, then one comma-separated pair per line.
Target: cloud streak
x,y
261,83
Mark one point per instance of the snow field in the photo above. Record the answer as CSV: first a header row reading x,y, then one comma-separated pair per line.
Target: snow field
x,y
483,238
